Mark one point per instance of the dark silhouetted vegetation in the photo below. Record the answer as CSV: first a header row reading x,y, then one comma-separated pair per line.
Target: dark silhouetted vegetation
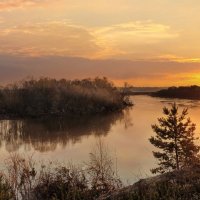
x,y
178,162
46,96
97,181
104,178
48,182
6,191
187,92
175,138
178,185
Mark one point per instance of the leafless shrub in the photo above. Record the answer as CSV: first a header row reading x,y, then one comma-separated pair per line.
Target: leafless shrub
x,y
101,169
21,175
54,181
63,183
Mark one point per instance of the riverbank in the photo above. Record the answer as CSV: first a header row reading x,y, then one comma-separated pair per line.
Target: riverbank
x,y
182,92
98,180
177,185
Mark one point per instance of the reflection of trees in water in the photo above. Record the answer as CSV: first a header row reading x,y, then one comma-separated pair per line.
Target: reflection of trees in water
x,y
44,135
127,119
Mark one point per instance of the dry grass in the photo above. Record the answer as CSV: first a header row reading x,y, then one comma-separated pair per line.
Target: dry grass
x,y
24,181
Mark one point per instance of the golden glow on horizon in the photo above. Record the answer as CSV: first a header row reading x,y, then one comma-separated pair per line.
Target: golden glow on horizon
x,y
185,79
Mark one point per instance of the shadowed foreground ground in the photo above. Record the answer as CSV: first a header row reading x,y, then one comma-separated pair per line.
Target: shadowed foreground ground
x,y
182,185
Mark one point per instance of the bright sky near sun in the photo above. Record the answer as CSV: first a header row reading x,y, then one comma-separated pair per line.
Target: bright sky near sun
x,y
140,41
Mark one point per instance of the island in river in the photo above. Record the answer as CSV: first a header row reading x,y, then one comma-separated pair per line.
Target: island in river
x,y
47,97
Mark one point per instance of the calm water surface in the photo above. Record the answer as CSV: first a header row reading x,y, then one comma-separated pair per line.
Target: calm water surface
x,y
64,140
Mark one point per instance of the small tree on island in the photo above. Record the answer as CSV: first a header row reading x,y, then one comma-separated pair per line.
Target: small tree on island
x,y
175,137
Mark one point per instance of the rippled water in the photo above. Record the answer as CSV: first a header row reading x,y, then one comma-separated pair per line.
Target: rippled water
x,y
72,139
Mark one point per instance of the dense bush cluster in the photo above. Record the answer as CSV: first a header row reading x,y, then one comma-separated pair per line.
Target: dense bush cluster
x,y
187,92
59,97
27,180
97,181
6,192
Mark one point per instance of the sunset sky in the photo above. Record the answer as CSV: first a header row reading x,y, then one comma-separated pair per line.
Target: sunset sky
x,y
143,42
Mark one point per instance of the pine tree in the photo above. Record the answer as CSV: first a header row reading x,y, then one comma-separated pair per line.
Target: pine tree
x,y
175,137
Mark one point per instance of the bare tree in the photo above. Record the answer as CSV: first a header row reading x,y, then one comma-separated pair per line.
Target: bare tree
x,y
101,168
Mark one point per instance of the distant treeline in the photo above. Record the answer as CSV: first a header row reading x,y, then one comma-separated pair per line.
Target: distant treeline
x,y
61,97
183,92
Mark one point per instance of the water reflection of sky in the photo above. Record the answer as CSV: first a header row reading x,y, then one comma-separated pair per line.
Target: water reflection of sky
x,y
72,139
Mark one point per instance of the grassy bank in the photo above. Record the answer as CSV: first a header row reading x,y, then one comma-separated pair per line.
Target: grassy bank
x,y
177,185
97,180
27,180
34,98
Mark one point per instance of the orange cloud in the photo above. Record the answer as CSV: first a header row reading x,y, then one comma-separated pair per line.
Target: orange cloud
x,y
53,38
133,40
68,39
12,4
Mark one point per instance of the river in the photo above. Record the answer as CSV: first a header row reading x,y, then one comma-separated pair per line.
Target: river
x,y
72,139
